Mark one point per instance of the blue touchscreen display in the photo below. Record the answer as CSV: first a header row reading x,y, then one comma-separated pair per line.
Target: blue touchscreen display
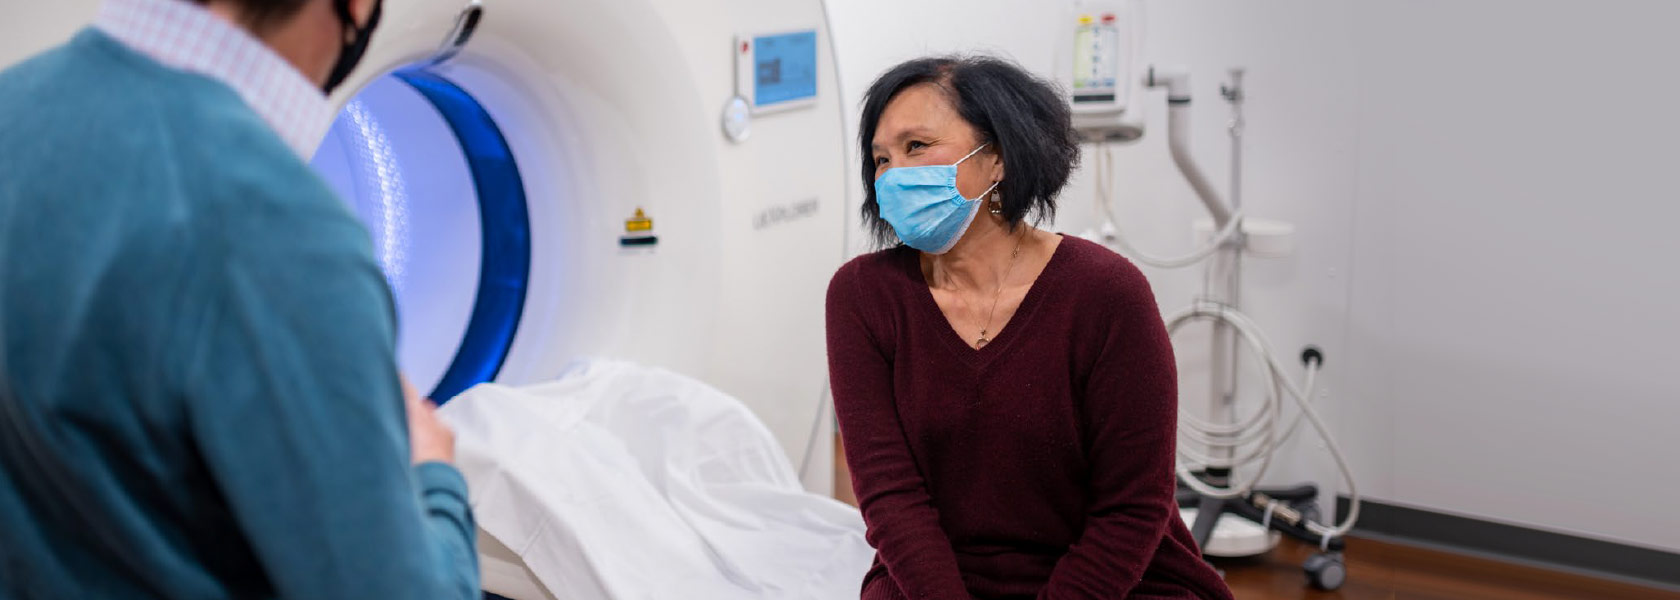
x,y
784,68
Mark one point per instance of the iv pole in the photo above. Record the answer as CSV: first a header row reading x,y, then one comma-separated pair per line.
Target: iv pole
x,y
1213,490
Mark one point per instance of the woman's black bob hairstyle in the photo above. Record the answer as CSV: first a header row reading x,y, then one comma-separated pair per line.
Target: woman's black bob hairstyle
x,y
1023,117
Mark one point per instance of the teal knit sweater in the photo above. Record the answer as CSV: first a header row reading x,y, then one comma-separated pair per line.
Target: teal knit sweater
x,y
198,389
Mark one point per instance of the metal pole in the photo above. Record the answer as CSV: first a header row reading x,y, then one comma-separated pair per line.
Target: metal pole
x,y
1224,287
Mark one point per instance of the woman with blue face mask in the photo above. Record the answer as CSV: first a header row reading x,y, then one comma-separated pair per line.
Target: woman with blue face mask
x,y
1007,395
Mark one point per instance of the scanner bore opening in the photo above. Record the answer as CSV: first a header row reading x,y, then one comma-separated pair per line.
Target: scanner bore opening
x,y
421,227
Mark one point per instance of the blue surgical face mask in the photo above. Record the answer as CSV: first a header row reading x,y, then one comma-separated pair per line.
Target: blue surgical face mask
x,y
924,207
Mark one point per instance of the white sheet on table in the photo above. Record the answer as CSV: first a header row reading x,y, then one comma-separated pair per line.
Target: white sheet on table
x,y
618,481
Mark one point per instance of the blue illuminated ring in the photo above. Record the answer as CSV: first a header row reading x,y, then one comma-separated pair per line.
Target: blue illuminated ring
x,y
505,263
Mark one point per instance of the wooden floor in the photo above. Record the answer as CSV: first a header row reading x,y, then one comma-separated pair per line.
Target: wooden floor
x,y
1378,570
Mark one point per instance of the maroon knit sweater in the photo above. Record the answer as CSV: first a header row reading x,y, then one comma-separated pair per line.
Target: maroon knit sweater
x,y
1040,466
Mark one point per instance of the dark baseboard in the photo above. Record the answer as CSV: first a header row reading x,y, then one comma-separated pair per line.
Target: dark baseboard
x,y
1547,549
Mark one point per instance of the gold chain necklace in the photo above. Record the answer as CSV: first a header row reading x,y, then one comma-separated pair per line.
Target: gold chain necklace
x,y
985,330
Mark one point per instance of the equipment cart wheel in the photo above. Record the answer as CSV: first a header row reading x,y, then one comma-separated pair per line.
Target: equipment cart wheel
x,y
1325,571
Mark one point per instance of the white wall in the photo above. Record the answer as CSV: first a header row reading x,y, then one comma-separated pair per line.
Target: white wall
x,y
51,23
1514,259
1482,207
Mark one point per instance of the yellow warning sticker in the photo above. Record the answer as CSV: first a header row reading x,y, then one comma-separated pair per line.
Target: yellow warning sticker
x,y
638,223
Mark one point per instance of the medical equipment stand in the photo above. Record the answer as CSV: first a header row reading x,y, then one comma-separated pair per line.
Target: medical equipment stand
x,y
1286,510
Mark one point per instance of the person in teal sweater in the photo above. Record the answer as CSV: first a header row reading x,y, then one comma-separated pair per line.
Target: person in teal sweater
x,y
199,395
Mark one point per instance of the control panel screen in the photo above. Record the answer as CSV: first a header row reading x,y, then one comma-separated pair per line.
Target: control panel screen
x,y
784,68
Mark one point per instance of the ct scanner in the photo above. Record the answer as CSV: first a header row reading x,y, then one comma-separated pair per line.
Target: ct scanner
x,y
660,181
606,109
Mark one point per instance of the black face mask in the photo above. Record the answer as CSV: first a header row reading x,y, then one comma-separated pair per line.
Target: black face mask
x,y
353,50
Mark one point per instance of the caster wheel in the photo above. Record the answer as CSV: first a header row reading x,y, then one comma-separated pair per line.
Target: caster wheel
x,y
1325,571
